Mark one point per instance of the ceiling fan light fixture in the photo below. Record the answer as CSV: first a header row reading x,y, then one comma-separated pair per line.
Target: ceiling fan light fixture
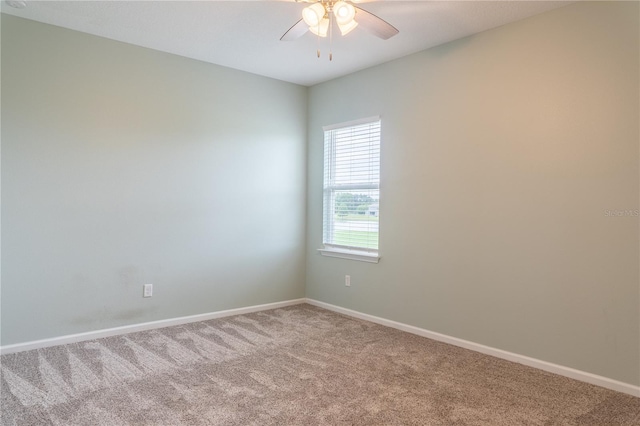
x,y
322,29
347,28
344,12
313,15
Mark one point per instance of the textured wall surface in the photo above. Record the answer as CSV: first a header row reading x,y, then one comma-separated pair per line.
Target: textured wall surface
x,y
508,212
123,166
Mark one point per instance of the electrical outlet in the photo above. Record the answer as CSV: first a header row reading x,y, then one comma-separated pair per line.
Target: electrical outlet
x,y
147,290
347,280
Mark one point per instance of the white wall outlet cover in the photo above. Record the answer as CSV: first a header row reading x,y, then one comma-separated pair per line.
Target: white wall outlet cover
x,y
147,290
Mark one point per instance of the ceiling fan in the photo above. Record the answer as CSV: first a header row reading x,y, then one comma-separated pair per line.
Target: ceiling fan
x,y
320,15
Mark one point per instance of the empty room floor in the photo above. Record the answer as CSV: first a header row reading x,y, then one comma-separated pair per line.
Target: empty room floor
x,y
294,365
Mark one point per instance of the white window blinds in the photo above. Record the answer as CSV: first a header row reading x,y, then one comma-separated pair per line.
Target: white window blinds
x,y
352,185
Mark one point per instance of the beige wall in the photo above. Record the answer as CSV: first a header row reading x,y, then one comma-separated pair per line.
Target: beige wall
x,y
123,166
501,155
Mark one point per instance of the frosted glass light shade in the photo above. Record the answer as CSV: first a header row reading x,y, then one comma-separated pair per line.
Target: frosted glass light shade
x,y
347,28
344,12
322,29
313,15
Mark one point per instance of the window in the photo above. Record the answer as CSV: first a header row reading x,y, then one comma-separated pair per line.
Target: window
x,y
352,190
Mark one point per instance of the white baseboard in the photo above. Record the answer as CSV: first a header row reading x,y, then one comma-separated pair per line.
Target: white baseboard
x,y
487,350
90,335
498,353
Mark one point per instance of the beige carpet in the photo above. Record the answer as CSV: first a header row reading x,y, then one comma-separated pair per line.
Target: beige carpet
x,y
294,366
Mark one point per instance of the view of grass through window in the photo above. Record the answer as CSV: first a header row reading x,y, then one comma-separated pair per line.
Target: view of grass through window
x,y
356,219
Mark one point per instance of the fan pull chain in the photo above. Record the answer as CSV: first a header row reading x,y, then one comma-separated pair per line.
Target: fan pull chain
x,y
318,40
330,38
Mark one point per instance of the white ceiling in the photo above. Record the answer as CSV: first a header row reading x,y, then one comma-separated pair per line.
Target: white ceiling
x,y
245,35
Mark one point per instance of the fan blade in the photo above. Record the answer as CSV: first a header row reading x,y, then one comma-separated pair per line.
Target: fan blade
x,y
375,25
297,31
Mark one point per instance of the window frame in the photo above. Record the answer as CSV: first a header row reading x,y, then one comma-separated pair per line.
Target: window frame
x,y
331,249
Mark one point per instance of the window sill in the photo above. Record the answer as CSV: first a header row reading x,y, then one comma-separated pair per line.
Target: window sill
x,y
361,256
